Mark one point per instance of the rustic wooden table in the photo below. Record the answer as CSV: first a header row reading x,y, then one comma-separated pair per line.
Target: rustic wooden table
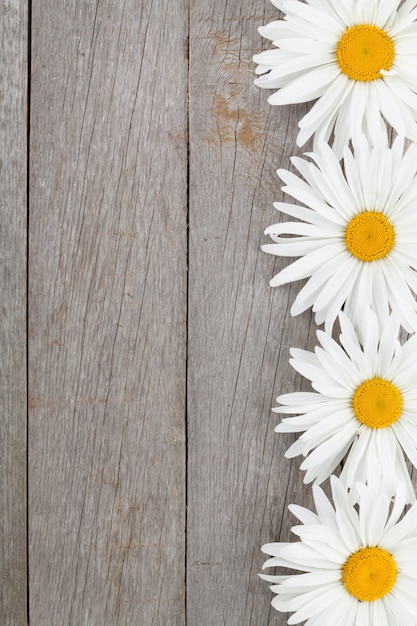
x,y
141,347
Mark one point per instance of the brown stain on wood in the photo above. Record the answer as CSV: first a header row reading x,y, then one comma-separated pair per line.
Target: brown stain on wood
x,y
234,61
179,140
222,41
235,124
131,393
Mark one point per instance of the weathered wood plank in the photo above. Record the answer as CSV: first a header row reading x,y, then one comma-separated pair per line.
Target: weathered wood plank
x,y
13,208
108,312
240,329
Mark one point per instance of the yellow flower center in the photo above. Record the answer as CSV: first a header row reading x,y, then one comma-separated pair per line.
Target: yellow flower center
x,y
363,51
377,403
369,574
369,236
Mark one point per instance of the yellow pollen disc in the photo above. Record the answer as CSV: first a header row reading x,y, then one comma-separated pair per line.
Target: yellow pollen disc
x,y
369,236
363,51
369,574
377,403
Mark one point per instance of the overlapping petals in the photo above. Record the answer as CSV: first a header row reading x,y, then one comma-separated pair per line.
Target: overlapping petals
x,y
320,593
303,66
378,183
328,419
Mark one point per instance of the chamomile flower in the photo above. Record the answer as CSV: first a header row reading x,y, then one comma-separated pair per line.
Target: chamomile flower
x,y
357,563
363,408
358,236
357,58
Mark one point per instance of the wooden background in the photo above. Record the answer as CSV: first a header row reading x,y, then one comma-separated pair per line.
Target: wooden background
x,y
141,347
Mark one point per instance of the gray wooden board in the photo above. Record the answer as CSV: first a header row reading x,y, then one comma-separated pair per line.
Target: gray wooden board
x,y
13,208
108,244
240,330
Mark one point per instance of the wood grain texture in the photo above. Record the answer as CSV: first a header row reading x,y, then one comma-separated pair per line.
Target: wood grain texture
x,y
13,262
108,312
240,330
125,142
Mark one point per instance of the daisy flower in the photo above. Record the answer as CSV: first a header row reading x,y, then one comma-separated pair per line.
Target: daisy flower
x,y
357,564
358,236
364,405
357,58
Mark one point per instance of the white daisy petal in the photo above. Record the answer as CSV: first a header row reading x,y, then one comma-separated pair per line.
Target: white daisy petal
x,y
305,88
399,614
323,110
314,605
304,515
378,614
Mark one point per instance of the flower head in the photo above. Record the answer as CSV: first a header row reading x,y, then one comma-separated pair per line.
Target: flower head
x,y
358,561
364,406
357,58
357,238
